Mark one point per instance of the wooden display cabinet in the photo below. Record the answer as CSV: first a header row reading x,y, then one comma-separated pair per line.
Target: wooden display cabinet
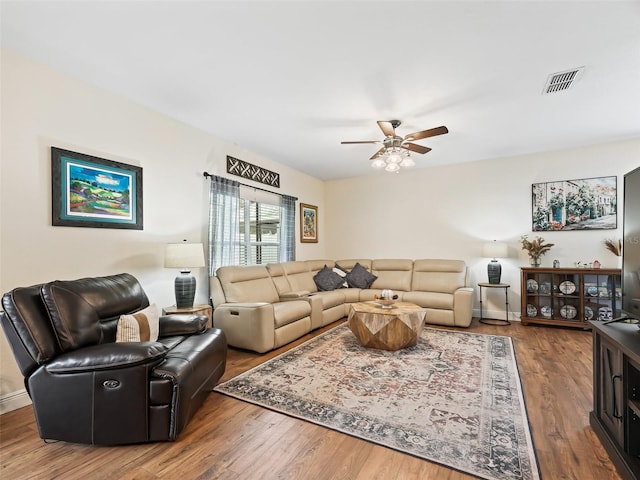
x,y
570,296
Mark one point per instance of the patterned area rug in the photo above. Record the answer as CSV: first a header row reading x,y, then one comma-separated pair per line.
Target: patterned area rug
x,y
454,399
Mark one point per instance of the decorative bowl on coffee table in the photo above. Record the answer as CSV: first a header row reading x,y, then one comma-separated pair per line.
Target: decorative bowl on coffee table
x,y
385,303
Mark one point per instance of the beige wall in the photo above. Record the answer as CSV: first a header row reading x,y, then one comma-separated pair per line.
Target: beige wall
x,y
445,212
448,212
42,108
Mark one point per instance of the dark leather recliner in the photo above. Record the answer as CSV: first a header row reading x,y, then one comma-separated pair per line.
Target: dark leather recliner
x,y
85,387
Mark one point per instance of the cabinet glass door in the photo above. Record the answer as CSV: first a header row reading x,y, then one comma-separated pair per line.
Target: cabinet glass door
x,y
539,300
602,296
566,288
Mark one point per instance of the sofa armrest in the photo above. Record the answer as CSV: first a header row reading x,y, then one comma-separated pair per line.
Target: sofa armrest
x,y
297,295
247,325
107,356
315,301
463,306
180,324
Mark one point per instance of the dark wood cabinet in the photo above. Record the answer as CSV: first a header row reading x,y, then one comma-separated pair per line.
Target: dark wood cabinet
x,y
570,296
609,405
616,393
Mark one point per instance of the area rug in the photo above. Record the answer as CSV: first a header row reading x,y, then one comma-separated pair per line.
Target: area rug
x,y
455,398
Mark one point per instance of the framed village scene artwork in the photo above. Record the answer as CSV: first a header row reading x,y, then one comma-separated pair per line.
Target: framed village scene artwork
x,y
583,204
89,191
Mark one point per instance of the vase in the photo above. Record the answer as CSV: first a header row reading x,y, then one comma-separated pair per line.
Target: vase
x,y
534,261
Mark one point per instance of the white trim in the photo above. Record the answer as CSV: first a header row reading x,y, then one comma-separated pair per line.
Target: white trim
x,y
14,400
496,314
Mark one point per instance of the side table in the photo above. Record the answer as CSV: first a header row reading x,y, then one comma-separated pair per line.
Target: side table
x,y
496,321
199,309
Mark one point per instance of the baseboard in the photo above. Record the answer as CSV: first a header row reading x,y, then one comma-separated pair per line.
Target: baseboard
x,y
497,315
14,400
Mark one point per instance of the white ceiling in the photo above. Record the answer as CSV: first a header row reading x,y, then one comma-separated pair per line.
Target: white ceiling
x,y
291,80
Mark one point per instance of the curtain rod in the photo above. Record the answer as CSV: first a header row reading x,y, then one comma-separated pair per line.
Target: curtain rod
x,y
208,175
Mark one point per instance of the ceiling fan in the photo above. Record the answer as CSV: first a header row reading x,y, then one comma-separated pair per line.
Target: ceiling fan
x,y
392,142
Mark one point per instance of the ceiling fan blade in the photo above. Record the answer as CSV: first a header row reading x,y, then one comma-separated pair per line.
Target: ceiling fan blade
x,y
414,147
364,141
387,128
378,153
432,132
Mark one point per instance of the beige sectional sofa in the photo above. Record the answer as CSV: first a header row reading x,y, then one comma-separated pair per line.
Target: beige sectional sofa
x,y
263,307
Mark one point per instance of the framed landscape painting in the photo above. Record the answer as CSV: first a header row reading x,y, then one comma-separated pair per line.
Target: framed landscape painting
x,y
89,191
308,223
582,204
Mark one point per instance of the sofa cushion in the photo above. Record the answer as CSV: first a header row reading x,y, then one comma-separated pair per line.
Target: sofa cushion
x,y
441,301
332,299
291,277
394,274
351,295
299,276
85,312
359,277
444,276
327,280
280,281
142,326
247,284
289,312
316,265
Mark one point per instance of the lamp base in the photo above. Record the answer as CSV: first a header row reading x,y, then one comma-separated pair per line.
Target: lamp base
x,y
185,286
494,270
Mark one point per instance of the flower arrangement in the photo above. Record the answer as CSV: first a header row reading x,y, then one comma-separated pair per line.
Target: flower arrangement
x,y
536,247
614,246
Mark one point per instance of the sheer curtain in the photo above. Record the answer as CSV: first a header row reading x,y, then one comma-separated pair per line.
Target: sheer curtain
x,y
287,228
224,223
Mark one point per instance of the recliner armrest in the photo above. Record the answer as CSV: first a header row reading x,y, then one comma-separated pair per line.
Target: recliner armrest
x,y
297,295
463,306
107,356
181,324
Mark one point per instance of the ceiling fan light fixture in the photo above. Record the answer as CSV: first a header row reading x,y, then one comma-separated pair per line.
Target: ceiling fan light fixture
x,y
407,161
378,163
395,152
392,167
394,157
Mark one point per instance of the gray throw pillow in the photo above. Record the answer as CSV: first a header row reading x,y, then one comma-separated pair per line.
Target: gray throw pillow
x,y
327,280
358,277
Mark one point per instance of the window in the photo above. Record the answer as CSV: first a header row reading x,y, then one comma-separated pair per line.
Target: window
x,y
259,232
249,226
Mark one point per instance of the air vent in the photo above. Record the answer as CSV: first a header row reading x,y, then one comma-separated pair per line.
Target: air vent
x,y
557,82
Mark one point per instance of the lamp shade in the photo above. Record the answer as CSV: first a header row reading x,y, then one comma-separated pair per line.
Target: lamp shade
x,y
494,250
184,255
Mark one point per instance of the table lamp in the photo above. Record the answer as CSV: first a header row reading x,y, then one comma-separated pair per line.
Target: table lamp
x,y
184,256
494,250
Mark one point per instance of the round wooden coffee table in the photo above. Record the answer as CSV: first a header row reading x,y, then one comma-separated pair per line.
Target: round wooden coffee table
x,y
386,328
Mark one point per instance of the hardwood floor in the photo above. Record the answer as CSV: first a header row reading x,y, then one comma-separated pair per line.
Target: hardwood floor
x,y
229,439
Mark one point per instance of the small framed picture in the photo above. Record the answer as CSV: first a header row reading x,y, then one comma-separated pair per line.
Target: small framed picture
x,y
89,191
308,223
